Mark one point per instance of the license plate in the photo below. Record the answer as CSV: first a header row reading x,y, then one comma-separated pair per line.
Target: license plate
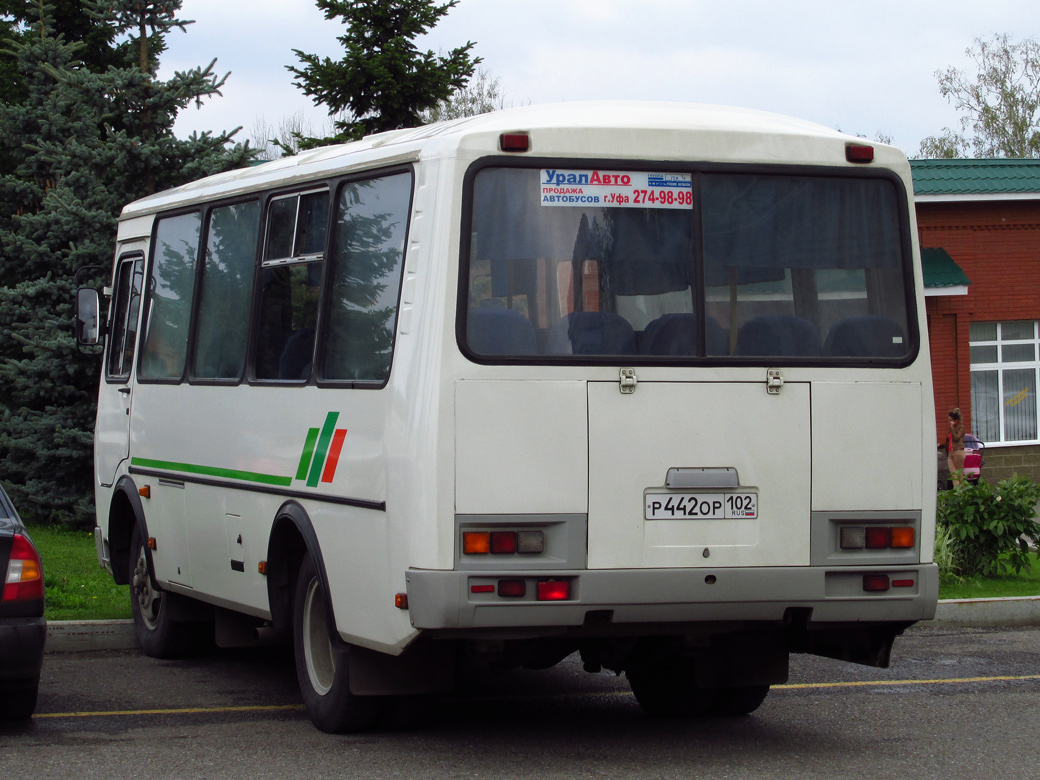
x,y
702,506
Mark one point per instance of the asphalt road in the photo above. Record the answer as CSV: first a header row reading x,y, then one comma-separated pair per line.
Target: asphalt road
x,y
957,703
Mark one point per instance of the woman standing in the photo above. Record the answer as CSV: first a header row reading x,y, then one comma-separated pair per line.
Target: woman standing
x,y
955,447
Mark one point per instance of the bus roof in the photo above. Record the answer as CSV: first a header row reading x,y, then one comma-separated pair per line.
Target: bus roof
x,y
448,138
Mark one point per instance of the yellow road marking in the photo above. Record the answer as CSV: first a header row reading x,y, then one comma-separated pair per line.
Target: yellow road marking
x,y
785,687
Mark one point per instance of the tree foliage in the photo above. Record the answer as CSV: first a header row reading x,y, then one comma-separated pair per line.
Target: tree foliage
x,y
81,144
383,82
999,103
481,95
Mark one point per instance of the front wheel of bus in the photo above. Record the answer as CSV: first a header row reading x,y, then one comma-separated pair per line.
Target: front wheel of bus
x,y
322,664
157,633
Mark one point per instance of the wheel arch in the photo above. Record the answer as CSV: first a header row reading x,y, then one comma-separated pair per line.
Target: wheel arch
x,y
292,537
125,512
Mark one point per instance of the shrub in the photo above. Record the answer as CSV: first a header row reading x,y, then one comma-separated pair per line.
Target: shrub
x,y
989,525
945,552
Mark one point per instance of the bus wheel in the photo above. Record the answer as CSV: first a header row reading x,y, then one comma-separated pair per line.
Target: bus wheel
x,y
157,633
734,702
322,665
666,687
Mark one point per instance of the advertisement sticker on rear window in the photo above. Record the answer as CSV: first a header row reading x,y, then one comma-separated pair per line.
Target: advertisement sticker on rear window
x,y
625,189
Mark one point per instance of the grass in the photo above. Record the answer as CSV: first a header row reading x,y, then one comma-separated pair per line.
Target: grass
x,y
1026,583
77,588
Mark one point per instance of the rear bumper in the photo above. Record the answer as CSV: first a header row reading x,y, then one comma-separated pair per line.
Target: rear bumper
x,y
444,599
21,648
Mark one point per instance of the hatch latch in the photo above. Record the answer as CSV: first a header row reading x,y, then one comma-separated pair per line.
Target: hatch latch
x,y
628,380
774,381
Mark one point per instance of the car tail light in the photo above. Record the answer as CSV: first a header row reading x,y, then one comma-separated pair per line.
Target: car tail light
x,y
24,580
903,538
875,583
513,588
554,590
503,542
476,542
856,153
878,538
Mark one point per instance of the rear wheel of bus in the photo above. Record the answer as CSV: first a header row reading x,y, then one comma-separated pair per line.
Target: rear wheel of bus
x,y
323,663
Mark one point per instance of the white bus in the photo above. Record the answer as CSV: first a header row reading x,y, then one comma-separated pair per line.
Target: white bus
x,y
648,382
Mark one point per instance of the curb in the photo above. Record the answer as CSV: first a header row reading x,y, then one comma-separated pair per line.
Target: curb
x,y
69,636
1006,612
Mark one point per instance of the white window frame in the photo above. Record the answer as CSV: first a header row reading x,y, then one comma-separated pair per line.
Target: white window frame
x,y
1000,367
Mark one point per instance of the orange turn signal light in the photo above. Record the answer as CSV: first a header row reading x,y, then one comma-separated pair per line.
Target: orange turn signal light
x,y
903,537
476,542
401,600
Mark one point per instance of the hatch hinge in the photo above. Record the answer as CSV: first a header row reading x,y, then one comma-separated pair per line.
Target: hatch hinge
x,y
628,380
774,381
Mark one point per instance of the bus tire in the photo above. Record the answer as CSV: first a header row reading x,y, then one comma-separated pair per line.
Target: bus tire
x,y
737,701
157,633
666,687
323,662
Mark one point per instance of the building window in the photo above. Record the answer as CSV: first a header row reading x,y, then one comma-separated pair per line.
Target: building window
x,y
1004,369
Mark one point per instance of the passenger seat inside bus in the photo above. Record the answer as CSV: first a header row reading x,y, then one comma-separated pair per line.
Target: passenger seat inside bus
x,y
499,331
865,336
780,335
676,334
592,333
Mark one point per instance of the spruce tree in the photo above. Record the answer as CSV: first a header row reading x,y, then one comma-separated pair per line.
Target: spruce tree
x,y
383,82
80,145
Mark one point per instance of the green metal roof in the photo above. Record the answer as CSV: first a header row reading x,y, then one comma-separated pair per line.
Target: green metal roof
x,y
940,270
995,176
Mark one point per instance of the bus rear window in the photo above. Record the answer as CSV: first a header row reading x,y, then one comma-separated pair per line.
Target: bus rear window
x,y
651,265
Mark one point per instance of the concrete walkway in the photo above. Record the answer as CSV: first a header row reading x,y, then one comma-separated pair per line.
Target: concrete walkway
x,y
64,636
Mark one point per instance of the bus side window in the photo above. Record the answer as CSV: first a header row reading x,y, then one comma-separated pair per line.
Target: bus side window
x,y
366,264
170,290
291,284
226,290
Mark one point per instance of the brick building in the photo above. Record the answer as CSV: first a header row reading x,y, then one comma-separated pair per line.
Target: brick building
x,y
979,225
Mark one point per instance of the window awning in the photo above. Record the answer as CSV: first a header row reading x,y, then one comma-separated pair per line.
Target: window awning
x,y
942,276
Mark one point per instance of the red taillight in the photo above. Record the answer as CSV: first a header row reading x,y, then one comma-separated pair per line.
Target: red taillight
x,y
514,142
554,590
856,153
24,580
512,588
875,583
879,538
503,542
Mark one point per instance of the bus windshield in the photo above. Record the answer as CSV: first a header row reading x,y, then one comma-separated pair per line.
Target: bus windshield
x,y
664,265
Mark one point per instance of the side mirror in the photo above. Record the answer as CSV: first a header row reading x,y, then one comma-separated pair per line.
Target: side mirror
x,y
88,317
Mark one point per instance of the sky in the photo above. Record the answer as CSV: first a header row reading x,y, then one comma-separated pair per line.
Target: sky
x,y
861,67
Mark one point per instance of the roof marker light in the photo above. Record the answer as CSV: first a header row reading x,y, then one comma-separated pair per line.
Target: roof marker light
x,y
858,153
514,142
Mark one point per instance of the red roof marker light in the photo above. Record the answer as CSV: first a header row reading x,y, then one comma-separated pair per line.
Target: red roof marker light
x,y
857,153
514,142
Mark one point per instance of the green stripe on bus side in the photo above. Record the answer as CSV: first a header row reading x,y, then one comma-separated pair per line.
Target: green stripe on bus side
x,y
324,440
213,471
308,453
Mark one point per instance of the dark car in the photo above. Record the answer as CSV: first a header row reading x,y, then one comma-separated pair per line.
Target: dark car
x,y
23,628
